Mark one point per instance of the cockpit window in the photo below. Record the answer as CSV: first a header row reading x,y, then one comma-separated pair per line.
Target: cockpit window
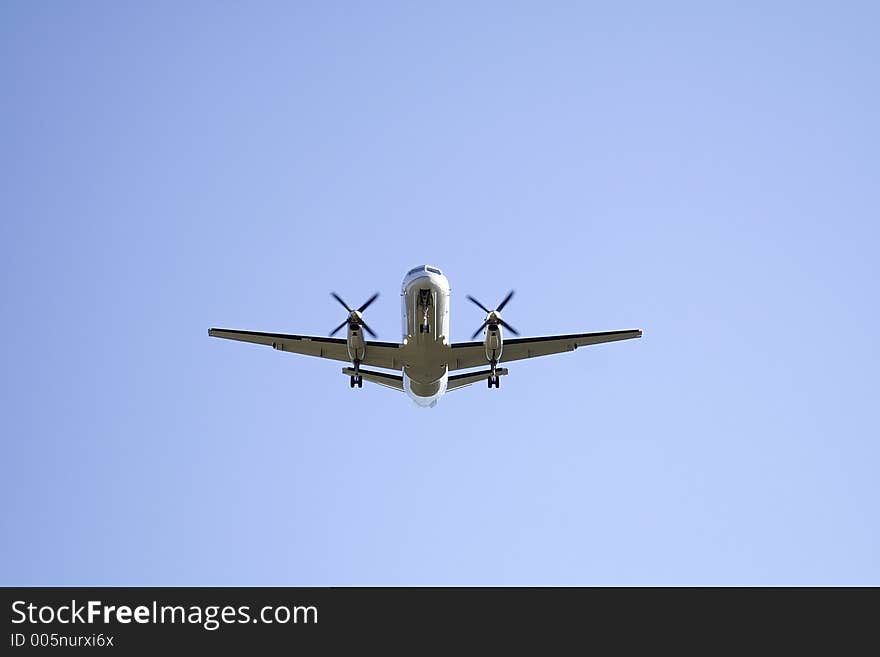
x,y
416,270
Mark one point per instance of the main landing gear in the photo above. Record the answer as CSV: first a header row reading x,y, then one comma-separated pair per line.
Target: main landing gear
x,y
494,379
356,379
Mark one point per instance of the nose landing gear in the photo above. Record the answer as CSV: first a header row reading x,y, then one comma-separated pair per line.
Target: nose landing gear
x,y
426,302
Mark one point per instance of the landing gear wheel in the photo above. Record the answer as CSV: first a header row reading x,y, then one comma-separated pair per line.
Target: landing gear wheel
x,y
489,382
351,382
360,382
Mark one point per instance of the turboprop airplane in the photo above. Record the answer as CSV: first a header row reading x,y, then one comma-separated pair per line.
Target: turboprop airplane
x,y
425,358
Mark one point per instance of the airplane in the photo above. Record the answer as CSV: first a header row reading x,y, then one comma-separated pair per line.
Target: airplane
x,y
425,358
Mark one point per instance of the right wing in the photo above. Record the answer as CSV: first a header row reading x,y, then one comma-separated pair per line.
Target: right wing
x,y
473,354
378,354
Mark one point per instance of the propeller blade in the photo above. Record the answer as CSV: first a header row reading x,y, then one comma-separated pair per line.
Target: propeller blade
x,y
477,332
504,303
508,327
482,307
339,299
368,329
336,330
367,303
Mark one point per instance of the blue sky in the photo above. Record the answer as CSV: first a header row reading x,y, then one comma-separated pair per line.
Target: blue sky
x,y
705,171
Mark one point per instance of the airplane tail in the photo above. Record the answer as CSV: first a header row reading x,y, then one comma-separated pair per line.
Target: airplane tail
x,y
394,381
468,378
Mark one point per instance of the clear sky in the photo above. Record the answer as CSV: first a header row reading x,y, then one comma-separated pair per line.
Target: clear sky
x,y
705,171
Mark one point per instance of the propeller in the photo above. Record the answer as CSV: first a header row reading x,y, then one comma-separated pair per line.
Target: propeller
x,y
493,317
355,316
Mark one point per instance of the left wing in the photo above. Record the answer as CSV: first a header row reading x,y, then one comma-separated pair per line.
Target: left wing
x,y
378,354
473,354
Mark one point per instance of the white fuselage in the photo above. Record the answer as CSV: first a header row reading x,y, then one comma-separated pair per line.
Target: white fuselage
x,y
425,309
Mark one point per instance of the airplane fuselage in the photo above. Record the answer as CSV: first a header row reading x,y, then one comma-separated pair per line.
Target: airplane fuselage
x,y
425,311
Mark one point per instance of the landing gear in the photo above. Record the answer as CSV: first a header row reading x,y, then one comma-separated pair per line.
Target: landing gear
x,y
494,379
426,302
357,379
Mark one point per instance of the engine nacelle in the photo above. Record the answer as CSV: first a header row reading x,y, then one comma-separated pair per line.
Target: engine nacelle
x,y
494,341
357,346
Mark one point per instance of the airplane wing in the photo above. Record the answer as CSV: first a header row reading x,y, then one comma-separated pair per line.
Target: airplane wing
x,y
378,354
473,354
